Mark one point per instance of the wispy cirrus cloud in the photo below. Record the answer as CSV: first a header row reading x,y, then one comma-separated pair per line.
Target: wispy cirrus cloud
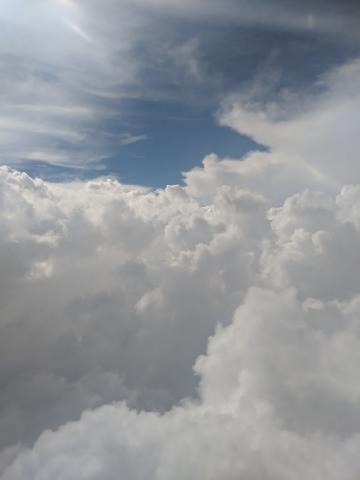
x,y
127,138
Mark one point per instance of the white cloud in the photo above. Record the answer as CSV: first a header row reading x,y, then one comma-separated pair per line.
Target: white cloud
x,y
112,293
315,130
278,400
119,281
127,138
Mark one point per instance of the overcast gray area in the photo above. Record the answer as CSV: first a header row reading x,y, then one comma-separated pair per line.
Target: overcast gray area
x,y
208,330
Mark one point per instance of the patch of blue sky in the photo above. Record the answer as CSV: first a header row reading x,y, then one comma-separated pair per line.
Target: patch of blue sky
x,y
165,140
174,143
171,126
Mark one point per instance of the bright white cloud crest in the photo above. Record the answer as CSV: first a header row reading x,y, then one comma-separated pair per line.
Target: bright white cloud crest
x,y
109,294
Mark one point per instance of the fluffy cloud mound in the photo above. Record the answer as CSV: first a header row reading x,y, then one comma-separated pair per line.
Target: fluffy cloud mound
x,y
206,331
110,292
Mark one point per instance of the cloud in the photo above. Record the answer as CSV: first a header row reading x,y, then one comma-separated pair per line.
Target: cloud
x,y
201,331
125,286
274,392
127,138
310,136
314,129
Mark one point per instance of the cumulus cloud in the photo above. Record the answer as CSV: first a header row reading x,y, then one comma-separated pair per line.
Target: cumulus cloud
x,y
209,330
315,129
275,388
113,288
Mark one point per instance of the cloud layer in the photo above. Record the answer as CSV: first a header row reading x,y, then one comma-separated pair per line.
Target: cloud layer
x,y
205,331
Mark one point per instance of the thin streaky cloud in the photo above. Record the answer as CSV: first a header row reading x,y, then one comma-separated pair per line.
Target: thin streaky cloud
x,y
79,31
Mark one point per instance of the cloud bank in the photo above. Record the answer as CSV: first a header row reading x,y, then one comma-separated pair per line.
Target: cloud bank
x,y
209,330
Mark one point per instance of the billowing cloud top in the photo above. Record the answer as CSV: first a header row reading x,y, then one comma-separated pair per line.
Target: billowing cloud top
x,y
209,331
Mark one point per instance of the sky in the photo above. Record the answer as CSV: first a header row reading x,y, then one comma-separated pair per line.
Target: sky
x,y
132,89
179,240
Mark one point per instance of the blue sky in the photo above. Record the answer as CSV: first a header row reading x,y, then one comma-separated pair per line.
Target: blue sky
x,y
134,89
